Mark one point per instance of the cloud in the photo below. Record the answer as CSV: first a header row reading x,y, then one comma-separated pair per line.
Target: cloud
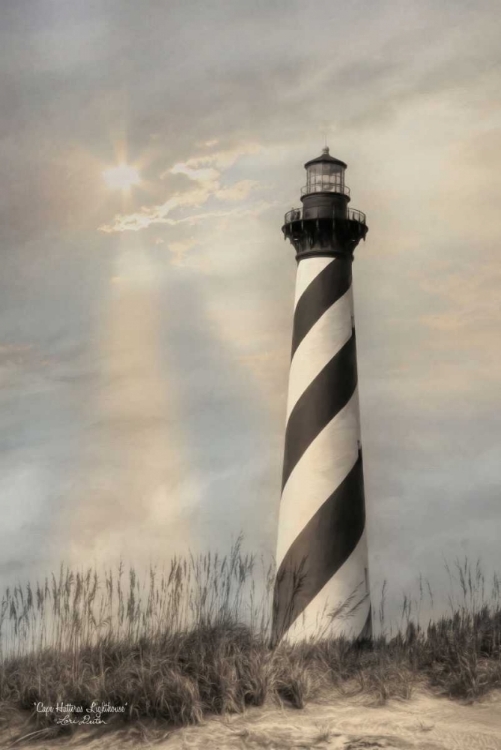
x,y
237,192
225,158
199,175
203,172
179,250
146,217
159,215
410,96
253,210
469,294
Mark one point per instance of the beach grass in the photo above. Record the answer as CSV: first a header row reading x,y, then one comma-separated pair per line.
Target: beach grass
x,y
194,639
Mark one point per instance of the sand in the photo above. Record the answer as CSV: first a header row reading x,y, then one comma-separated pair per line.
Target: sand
x,y
345,723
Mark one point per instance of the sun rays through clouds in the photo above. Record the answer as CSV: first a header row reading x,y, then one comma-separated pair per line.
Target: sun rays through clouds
x,y
207,186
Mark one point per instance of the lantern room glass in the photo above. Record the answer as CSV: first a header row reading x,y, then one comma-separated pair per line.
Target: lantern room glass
x,y
325,176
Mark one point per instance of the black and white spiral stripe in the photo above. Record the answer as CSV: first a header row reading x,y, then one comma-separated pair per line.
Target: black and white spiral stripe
x,y
321,585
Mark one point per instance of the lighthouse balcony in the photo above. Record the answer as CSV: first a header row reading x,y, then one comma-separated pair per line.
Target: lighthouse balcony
x,y
319,212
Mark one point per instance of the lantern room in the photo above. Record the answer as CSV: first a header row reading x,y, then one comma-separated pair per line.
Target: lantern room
x,y
325,174
324,225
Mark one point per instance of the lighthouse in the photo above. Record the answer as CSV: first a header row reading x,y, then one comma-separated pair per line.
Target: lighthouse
x,y
322,583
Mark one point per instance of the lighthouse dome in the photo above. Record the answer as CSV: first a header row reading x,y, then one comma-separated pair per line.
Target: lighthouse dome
x,y
326,158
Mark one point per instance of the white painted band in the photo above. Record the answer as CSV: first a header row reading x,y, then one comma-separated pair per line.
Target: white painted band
x,y
348,587
307,270
322,468
329,334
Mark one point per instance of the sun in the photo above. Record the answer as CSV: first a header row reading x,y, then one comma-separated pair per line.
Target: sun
x,y
121,177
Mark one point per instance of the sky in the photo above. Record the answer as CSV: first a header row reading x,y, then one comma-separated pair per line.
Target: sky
x,y
145,334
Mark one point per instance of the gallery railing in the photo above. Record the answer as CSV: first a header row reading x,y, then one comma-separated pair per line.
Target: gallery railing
x,y
296,214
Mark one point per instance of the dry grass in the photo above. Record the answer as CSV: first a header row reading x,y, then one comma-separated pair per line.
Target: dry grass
x,y
194,640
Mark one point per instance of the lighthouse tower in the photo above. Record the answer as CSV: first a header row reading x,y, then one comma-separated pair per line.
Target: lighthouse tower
x,y
322,587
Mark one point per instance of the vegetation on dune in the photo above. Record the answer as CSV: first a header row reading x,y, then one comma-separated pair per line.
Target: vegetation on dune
x,y
194,640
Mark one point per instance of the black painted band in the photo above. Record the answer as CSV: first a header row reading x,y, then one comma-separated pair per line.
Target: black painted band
x,y
325,396
325,289
321,548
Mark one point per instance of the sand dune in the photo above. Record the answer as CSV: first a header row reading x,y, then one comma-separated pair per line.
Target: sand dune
x,y
425,722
